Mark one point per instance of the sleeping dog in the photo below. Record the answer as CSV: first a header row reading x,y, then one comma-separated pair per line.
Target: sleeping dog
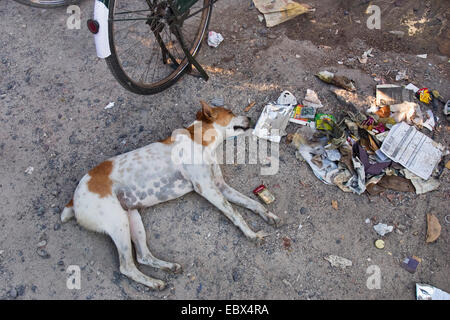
x,y
108,197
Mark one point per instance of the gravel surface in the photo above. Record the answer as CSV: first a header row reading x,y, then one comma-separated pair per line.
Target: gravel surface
x,y
54,128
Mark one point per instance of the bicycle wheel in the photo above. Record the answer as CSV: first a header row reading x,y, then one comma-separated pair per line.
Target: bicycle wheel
x,y
146,57
46,3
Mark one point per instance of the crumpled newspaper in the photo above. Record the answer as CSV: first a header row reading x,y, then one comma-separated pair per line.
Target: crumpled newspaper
x,y
322,161
357,182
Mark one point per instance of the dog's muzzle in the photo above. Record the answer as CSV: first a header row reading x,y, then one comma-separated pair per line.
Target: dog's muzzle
x,y
244,126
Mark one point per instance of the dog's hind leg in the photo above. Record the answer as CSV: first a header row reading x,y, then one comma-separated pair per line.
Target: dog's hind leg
x,y
143,254
119,231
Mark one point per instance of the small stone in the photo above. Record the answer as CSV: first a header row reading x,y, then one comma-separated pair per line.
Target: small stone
x,y
41,211
263,31
42,243
43,253
236,275
20,290
303,210
217,102
56,227
12,293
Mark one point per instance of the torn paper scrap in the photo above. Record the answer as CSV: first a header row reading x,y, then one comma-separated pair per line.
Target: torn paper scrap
x,y
427,292
279,11
109,106
422,186
337,261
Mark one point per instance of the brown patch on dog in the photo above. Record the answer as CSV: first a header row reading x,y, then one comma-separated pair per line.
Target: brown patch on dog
x,y
218,115
223,116
100,183
168,140
70,204
202,133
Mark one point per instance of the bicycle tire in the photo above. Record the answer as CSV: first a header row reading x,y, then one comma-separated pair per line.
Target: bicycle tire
x,y
46,3
134,86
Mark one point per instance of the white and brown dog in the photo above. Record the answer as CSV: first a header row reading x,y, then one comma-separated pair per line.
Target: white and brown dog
x,y
107,199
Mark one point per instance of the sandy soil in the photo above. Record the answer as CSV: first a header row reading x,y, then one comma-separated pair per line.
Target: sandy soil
x,y
53,90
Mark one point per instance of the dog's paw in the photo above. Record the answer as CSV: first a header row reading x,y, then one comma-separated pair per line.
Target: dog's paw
x,y
159,285
273,219
259,237
176,268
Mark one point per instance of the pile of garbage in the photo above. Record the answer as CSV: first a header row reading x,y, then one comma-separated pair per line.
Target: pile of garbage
x,y
375,150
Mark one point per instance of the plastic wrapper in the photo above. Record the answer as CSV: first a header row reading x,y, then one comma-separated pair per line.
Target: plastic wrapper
x,y
427,292
303,115
339,81
214,39
272,123
287,98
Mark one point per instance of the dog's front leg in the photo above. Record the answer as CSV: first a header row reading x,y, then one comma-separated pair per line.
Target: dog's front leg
x,y
242,200
206,187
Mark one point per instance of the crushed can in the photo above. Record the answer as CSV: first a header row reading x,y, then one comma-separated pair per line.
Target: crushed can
x,y
264,194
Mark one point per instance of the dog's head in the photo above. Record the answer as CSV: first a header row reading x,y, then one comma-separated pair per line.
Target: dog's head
x,y
223,120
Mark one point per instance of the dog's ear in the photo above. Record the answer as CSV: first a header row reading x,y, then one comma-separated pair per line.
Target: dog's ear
x,y
207,112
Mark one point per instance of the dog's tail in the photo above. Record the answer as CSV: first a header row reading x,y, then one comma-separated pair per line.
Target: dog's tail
x,y
68,212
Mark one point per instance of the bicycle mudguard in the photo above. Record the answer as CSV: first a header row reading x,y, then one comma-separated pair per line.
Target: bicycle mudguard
x,y
101,12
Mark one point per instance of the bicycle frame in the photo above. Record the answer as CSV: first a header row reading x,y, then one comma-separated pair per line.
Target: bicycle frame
x,y
101,16
101,38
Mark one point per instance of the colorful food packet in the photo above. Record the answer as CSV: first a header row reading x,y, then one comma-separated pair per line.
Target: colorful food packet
x,y
322,119
264,194
302,115
424,95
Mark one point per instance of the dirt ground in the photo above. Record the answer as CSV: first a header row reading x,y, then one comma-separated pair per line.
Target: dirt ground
x,y
53,90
